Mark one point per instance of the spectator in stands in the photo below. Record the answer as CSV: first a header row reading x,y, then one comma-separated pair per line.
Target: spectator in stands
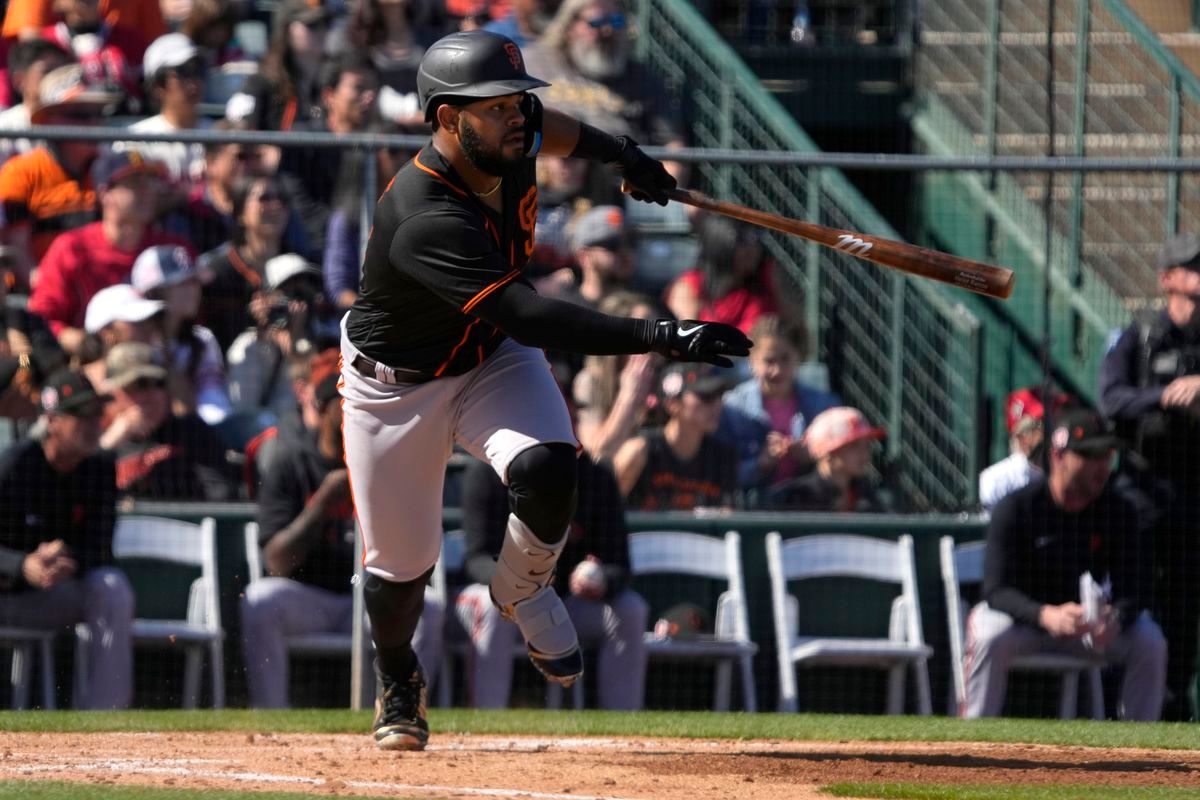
x,y
525,22
319,180
839,442
286,90
1040,540
1150,388
290,322
733,282
174,68
25,367
196,367
28,63
601,249
386,30
1024,416
681,466
159,456
211,25
41,191
306,531
114,315
560,183
585,54
592,575
109,52
765,416
612,394
260,214
87,259
27,18
58,499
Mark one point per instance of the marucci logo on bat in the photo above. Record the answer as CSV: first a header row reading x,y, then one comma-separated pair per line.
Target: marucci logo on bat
x,y
853,245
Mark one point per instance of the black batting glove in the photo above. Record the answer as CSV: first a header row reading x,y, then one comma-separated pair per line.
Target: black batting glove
x,y
692,340
647,179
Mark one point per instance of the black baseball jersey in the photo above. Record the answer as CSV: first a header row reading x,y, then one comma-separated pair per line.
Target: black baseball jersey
x,y
436,251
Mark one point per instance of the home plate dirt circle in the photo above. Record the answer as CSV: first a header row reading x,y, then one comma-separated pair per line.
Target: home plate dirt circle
x,y
543,768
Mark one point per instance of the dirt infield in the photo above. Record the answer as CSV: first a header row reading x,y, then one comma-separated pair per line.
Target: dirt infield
x,y
564,768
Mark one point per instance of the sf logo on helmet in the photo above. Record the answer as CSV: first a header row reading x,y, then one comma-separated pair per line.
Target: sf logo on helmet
x,y
514,55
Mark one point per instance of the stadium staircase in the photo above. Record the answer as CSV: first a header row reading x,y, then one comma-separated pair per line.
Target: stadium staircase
x,y
1122,88
905,351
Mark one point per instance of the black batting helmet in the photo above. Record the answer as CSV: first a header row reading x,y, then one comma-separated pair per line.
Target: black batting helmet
x,y
471,65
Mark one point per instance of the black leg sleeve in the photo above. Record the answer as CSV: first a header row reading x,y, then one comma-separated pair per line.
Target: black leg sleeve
x,y
541,489
394,609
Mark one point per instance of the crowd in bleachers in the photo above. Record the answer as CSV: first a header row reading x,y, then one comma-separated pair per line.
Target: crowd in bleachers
x,y
172,313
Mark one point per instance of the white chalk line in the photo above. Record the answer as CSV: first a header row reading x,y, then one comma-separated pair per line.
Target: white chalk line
x,y
143,767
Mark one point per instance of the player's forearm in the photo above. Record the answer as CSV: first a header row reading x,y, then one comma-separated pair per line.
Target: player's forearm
x,y
560,133
544,322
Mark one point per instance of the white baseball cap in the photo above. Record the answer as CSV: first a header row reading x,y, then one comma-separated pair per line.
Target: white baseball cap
x,y
119,303
287,266
169,50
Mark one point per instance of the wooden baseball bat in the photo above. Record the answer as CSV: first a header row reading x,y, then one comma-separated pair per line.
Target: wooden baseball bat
x,y
973,276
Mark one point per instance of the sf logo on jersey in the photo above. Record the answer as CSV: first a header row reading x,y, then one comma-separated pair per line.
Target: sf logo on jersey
x,y
527,213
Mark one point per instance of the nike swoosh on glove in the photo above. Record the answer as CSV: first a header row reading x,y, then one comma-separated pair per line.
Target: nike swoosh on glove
x,y
692,340
647,179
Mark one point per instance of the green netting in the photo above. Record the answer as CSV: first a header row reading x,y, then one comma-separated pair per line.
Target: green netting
x,y
903,350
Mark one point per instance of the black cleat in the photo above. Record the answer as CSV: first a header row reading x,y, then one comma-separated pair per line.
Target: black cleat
x,y
400,713
563,670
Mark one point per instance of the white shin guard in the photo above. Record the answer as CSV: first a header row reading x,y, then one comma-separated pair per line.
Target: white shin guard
x,y
526,564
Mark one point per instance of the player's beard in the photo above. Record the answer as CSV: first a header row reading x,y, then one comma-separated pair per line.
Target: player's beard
x,y
486,159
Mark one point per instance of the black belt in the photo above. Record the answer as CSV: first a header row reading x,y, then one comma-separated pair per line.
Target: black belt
x,y
394,375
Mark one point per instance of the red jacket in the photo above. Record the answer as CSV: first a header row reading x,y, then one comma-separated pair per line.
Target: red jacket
x,y
80,263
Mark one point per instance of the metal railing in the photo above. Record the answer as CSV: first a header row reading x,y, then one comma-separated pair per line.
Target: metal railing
x,y
906,352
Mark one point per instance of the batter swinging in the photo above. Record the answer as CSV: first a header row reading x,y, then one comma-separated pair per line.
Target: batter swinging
x,y
444,347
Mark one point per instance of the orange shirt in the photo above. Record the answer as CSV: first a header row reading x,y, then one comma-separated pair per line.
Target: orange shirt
x,y
145,16
35,188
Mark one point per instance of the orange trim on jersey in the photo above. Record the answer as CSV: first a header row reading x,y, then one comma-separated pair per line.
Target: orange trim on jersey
x,y
474,301
289,115
434,173
244,269
457,347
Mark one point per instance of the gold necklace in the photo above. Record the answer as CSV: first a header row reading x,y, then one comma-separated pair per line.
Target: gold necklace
x,y
490,191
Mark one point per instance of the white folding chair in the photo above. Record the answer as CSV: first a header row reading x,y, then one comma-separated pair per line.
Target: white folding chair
x,y
845,555
963,564
454,545
24,642
314,644
681,553
189,544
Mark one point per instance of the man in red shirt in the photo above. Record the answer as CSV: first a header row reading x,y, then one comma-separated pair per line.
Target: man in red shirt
x,y
82,262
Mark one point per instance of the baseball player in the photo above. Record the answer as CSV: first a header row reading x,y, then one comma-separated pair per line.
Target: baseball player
x,y
444,347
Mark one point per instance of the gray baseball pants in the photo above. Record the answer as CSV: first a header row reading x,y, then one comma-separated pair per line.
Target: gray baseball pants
x,y
994,641
615,629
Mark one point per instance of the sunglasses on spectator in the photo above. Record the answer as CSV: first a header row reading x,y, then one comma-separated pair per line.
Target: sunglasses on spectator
x,y
145,384
316,26
189,70
77,113
614,21
270,197
709,397
247,155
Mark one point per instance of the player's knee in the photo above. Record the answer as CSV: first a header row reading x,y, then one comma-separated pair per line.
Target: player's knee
x,y
541,488
394,607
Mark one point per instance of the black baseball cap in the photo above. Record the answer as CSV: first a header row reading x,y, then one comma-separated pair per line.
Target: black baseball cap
x,y
1180,251
681,377
70,392
1085,432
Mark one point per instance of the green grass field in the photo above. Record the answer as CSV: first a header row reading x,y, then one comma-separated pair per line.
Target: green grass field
x,y
684,724
1179,736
